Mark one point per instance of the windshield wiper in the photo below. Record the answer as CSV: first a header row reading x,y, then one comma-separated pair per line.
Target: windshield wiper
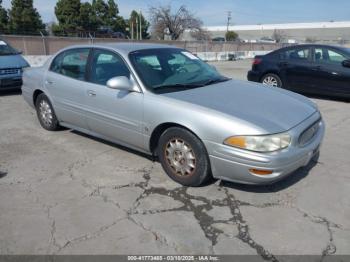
x,y
215,81
178,86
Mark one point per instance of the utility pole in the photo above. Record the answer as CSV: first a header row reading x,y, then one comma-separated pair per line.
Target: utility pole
x,y
132,30
229,17
140,16
137,28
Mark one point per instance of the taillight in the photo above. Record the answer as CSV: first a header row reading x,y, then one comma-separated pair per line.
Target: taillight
x,y
257,61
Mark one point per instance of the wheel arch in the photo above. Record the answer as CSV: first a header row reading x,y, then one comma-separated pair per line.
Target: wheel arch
x,y
159,130
271,71
36,93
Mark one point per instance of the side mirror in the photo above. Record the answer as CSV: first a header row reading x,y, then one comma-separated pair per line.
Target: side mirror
x,y
121,83
346,63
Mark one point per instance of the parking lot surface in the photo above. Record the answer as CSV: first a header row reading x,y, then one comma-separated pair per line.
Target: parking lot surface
x,y
68,193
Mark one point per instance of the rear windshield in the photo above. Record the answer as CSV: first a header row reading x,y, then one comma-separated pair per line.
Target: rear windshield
x,y
5,49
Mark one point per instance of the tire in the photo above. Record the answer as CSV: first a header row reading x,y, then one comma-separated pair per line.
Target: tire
x,y
46,114
184,157
272,80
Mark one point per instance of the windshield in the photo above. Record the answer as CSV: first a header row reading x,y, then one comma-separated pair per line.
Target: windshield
x,y
5,49
169,70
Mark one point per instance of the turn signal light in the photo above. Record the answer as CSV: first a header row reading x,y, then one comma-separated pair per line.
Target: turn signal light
x,y
260,172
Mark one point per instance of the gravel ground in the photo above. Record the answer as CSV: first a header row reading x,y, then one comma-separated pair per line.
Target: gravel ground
x,y
68,193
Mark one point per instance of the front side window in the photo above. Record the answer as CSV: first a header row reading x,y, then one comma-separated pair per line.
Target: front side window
x,y
325,55
106,65
71,63
170,70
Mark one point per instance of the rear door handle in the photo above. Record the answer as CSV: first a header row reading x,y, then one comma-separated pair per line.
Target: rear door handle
x,y
317,68
48,82
91,93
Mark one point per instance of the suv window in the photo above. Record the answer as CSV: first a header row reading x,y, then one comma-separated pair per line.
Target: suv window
x,y
106,65
325,55
71,63
296,54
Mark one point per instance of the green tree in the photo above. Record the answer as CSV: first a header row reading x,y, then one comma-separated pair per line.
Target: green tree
x,y
106,14
100,9
68,16
24,18
87,19
134,21
231,36
4,19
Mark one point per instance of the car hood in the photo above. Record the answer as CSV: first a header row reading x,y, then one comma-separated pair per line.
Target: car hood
x,y
271,109
12,61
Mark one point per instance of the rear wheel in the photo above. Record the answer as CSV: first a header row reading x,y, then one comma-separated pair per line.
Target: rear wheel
x,y
271,80
184,157
46,114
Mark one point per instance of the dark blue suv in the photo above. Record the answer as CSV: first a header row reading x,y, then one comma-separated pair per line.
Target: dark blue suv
x,y
313,69
11,67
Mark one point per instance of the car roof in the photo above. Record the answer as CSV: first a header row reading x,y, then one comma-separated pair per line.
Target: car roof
x,y
124,47
312,45
344,49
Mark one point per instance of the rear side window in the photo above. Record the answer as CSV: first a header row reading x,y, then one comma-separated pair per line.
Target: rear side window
x,y
71,63
296,54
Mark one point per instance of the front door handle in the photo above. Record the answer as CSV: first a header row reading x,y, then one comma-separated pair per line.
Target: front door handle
x,y
91,93
283,63
48,82
317,68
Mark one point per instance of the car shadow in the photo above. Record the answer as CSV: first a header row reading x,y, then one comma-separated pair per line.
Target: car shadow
x,y
10,92
100,140
325,97
287,182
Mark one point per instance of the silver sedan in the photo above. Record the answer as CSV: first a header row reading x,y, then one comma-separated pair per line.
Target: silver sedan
x,y
166,102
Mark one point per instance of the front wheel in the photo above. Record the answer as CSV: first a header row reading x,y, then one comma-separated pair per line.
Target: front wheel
x,y
184,157
46,114
271,80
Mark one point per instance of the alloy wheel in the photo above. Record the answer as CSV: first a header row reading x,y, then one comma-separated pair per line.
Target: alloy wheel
x,y
180,157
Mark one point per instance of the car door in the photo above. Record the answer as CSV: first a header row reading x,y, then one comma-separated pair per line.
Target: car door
x,y
114,114
295,67
332,77
65,84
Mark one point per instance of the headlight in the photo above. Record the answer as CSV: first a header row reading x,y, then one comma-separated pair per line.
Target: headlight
x,y
268,143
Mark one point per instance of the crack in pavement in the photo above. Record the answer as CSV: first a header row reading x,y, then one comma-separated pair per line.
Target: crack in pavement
x,y
89,236
330,248
199,211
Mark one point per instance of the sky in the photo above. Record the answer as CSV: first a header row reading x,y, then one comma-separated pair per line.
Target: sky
x,y
214,12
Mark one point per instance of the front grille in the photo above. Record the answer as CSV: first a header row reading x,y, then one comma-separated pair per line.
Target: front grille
x,y
309,133
10,71
10,82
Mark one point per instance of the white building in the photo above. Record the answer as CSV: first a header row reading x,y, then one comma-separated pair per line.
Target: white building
x,y
333,32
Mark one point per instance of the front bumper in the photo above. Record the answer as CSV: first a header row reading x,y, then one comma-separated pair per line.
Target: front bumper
x,y
11,82
233,164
